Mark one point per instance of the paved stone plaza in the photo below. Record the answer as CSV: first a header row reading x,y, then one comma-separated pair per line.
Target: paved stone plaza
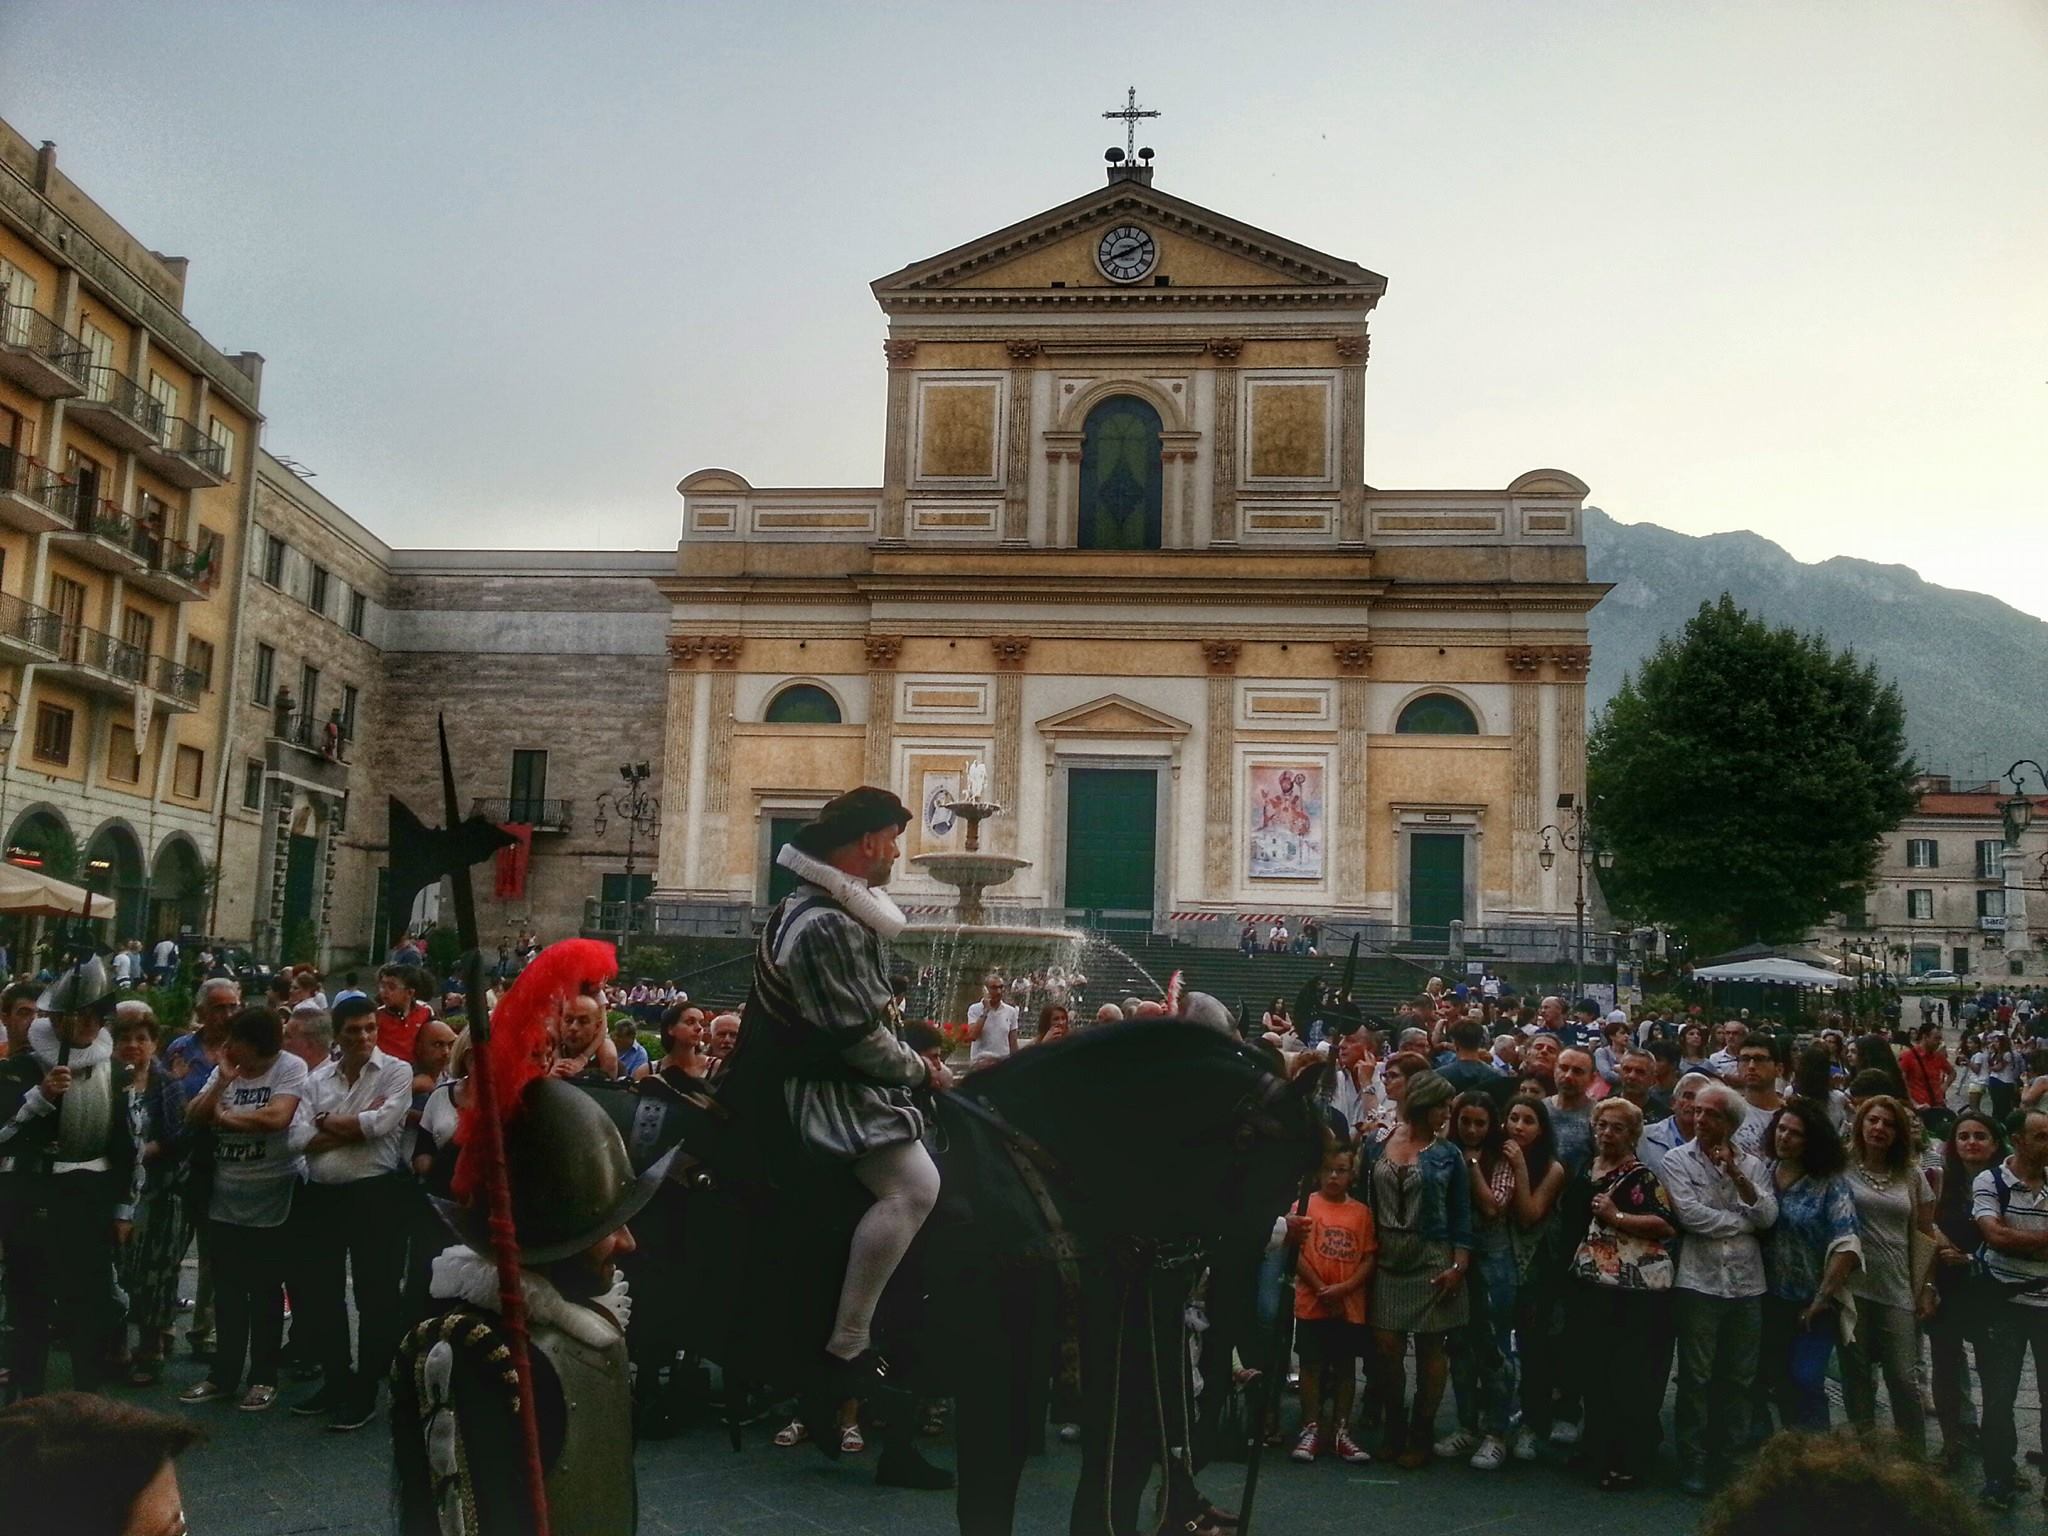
x,y
269,1474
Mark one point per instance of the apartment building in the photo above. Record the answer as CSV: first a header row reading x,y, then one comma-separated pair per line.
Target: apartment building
x,y
127,471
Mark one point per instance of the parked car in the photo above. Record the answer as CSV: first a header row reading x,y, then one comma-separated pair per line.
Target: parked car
x,y
1936,979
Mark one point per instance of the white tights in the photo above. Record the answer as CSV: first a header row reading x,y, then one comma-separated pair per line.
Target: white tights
x,y
905,1183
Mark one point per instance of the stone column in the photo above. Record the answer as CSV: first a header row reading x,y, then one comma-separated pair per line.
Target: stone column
x,y
671,861
882,652
1223,506
1351,440
1571,662
1011,652
1017,456
1219,781
896,436
1354,661
1525,728
723,654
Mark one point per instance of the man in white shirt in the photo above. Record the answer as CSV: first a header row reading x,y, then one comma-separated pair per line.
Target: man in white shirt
x,y
1726,1063
991,1027
1724,1200
163,961
354,1118
2009,1204
128,964
1660,1140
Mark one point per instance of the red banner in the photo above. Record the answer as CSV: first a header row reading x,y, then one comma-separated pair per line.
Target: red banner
x,y
512,861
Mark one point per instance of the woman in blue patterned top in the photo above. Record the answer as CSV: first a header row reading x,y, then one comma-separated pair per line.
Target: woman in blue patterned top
x,y
1808,1259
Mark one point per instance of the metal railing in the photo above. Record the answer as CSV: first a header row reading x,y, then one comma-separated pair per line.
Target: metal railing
x,y
101,652
176,680
307,729
102,519
180,561
28,330
537,811
187,440
29,625
122,395
23,476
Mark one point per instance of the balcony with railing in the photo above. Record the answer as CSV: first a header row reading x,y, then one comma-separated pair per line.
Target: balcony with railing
x,y
535,811
171,570
98,532
176,684
97,661
185,455
118,410
39,354
33,497
27,633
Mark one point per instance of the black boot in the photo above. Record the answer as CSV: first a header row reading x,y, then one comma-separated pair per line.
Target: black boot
x,y
902,1467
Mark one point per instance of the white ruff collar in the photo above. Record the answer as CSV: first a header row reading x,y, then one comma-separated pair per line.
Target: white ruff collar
x,y
870,906
42,1039
463,1274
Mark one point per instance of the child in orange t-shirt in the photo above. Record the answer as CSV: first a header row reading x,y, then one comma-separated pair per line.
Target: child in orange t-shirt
x,y
1329,1307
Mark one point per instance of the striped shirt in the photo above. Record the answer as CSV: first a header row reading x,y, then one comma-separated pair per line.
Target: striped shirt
x,y
1999,1192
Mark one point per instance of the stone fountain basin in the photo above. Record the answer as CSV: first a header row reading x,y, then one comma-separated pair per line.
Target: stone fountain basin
x,y
970,870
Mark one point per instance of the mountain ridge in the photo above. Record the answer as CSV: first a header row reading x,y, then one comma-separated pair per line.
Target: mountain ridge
x,y
1973,670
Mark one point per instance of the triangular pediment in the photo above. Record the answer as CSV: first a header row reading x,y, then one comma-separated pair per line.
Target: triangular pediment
x,y
1112,715
1199,249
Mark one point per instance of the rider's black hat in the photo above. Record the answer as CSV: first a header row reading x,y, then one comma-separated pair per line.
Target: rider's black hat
x,y
850,817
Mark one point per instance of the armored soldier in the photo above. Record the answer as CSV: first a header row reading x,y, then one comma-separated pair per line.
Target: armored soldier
x,y
458,1453
69,1180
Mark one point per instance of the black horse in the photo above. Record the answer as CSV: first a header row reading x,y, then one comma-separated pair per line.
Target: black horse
x,y
1078,1172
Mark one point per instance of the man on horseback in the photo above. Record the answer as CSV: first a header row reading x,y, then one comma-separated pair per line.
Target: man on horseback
x,y
820,1047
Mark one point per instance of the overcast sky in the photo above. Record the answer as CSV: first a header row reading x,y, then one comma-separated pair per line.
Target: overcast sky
x,y
516,269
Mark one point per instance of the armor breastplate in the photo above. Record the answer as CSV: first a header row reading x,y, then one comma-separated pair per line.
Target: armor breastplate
x,y
591,1490
85,1115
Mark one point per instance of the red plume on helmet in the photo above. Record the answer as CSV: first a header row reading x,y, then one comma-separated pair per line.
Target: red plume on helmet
x,y
519,1028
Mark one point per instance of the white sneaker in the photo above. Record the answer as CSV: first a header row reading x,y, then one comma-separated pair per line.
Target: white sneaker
x,y
1525,1445
1564,1433
1491,1455
1460,1442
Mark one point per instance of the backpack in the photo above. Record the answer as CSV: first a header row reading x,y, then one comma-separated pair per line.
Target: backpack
x,y
1980,1257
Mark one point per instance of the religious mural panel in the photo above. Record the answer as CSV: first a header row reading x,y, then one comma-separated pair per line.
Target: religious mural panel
x,y
1284,814
1290,431
957,431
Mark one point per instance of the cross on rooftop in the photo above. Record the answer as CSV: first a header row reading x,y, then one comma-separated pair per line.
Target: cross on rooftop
x,y
1130,114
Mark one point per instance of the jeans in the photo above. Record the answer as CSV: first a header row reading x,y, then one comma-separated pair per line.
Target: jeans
x,y
1484,1370
1960,1322
248,1298
1794,1364
1888,1341
2011,1328
1615,1331
1718,1341
360,1227
57,1232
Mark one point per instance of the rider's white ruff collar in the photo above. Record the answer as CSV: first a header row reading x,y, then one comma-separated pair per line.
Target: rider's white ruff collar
x,y
463,1274
42,1040
871,907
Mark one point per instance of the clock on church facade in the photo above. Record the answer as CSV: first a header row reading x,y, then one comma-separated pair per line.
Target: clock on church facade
x,y
1123,551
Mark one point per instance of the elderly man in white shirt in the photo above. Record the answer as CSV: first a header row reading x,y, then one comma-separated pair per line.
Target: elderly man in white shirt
x,y
1723,1199
356,1199
1660,1140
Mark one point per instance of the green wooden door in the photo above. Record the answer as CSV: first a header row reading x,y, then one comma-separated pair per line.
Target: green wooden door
x,y
300,860
1436,884
1112,837
780,881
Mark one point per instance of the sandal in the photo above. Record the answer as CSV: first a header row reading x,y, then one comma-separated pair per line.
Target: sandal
x,y
850,1441
203,1392
1617,1482
792,1433
256,1399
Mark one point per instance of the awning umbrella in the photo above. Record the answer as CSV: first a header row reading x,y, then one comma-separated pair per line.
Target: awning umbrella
x,y
29,893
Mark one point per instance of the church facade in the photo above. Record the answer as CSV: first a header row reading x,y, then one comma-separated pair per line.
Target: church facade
x,y
1124,554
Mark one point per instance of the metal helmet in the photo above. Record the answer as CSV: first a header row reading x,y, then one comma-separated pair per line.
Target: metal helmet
x,y
87,987
572,1180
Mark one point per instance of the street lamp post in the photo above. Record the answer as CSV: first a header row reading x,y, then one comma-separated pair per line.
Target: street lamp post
x,y
2017,813
1577,841
641,813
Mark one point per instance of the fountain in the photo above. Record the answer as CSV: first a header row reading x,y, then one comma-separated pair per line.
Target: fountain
x,y
962,951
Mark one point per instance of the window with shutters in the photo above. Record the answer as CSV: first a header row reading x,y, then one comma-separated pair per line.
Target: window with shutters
x,y
20,297
252,784
123,766
273,559
316,591
1991,903
165,394
358,611
223,436
1920,906
199,657
265,688
138,629
1990,858
53,734
188,773
348,710
100,347
1922,853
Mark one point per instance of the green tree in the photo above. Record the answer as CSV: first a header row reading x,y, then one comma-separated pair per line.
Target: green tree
x,y
1744,777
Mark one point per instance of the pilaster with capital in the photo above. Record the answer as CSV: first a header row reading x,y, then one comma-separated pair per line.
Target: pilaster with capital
x,y
1223,500
896,435
1218,740
1010,654
882,651
1351,730
1351,447
1017,460
1525,728
1572,662
672,868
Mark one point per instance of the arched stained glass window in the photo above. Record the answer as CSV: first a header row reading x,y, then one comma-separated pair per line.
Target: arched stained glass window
x,y
1436,714
1120,476
802,704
